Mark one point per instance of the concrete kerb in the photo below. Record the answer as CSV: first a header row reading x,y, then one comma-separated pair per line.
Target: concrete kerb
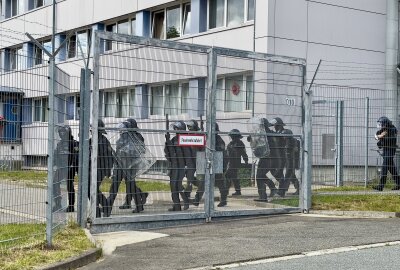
x,y
356,214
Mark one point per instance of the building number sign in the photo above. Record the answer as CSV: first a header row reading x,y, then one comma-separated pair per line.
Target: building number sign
x,y
290,101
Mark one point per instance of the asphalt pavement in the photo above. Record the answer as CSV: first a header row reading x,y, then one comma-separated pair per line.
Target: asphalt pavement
x,y
241,240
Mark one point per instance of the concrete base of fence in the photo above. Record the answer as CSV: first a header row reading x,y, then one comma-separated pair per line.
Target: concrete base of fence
x,y
76,262
357,214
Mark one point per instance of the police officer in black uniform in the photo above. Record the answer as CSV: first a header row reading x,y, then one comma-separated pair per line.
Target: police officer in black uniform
x,y
61,158
235,151
126,155
289,146
73,165
387,141
105,163
272,163
175,156
190,159
220,181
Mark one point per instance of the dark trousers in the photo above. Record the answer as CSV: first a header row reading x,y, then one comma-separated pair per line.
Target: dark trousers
x,y
191,180
232,177
70,185
100,198
176,177
60,175
220,183
132,191
265,165
388,166
290,174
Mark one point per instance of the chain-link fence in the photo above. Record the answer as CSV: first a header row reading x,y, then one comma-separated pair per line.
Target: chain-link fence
x,y
183,133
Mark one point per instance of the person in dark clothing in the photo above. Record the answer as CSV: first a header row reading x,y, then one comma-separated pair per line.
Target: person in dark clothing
x,y
190,159
235,151
175,156
289,146
127,155
131,187
73,165
61,168
105,163
220,181
272,163
387,141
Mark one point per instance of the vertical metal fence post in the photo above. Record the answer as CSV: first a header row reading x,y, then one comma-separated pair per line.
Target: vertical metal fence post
x,y
95,117
211,114
307,144
366,177
339,144
84,122
50,161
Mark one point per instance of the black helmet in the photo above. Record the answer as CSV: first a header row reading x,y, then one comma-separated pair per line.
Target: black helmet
x,y
235,133
101,127
384,121
193,125
216,127
132,122
277,122
179,125
267,123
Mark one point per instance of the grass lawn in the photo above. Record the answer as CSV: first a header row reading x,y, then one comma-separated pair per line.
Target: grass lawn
x,y
69,242
32,176
145,186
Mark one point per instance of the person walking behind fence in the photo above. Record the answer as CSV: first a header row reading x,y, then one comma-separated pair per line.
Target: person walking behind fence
x,y
73,165
175,156
234,153
105,163
190,159
220,180
289,146
126,158
387,141
61,158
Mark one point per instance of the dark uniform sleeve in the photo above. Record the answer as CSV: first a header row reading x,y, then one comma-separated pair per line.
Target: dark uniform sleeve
x,y
242,149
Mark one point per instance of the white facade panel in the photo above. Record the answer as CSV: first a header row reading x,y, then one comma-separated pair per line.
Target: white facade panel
x,y
366,5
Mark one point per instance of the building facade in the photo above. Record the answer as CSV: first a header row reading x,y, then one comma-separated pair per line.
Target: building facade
x,y
346,35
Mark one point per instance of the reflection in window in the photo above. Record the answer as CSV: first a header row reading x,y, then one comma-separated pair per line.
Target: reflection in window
x,y
132,102
173,22
83,42
14,7
235,12
133,27
235,95
38,3
249,93
109,44
38,55
77,107
37,107
186,19
216,13
47,46
172,99
45,111
123,27
70,107
157,101
158,25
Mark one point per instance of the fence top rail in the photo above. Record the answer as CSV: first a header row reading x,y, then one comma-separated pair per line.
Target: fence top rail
x,y
197,48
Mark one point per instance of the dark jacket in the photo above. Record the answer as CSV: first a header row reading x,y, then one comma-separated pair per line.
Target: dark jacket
x,y
389,142
234,153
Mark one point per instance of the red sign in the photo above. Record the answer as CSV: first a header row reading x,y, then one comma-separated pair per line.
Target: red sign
x,y
235,89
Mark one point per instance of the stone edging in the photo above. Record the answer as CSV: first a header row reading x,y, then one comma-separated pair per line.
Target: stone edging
x,y
359,214
75,262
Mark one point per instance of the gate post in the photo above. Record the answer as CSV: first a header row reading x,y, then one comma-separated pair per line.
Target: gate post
x,y
84,123
210,148
305,202
339,144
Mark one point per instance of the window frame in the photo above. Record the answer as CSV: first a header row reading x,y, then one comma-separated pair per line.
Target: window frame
x,y
108,46
42,109
116,104
181,109
225,24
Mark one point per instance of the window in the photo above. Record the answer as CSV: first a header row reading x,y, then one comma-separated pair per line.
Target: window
x,y
20,58
234,93
38,3
71,47
173,22
14,8
38,55
13,59
132,102
70,107
186,19
229,12
123,27
122,103
157,102
109,104
133,27
109,43
40,110
127,27
185,98
83,38
158,25
172,99
77,107
47,46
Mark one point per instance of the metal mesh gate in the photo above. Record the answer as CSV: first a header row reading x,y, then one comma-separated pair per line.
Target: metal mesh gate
x,y
183,133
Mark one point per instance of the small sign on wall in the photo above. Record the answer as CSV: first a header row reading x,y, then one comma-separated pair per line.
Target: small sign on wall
x,y
191,140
